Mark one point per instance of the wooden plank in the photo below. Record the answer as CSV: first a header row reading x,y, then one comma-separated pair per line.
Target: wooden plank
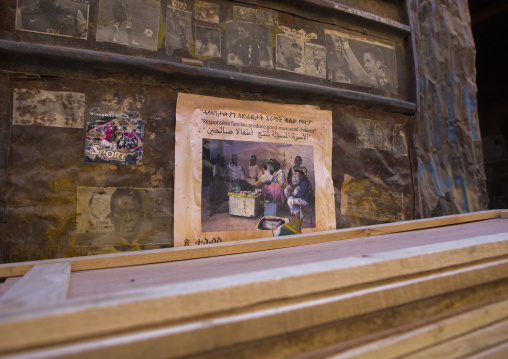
x,y
371,17
109,280
496,352
231,310
212,250
504,214
467,345
429,335
212,333
9,282
43,284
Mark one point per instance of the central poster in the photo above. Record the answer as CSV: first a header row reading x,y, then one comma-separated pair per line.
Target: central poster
x,y
244,168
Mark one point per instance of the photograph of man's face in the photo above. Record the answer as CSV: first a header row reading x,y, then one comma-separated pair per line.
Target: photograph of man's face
x,y
290,54
126,212
125,217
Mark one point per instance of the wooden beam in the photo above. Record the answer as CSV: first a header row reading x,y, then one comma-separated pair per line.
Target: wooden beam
x,y
430,335
44,284
232,310
213,250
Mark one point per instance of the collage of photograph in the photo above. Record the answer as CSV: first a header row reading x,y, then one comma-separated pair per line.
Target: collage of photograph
x,y
240,36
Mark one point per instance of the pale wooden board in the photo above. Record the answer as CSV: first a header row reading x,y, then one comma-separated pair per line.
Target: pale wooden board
x,y
467,345
496,352
231,310
43,284
429,335
180,339
504,215
204,251
102,281
9,282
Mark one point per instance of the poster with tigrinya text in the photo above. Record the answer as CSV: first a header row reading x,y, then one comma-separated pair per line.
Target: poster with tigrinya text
x,y
242,167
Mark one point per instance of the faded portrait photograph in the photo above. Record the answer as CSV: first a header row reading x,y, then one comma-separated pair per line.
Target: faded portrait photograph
x,y
208,41
246,14
206,11
53,17
178,29
249,44
361,63
250,185
125,217
132,23
289,54
315,60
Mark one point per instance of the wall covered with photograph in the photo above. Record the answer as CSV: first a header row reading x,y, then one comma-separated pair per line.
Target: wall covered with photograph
x,y
149,124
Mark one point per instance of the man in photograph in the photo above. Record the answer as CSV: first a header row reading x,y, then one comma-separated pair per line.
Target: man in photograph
x,y
130,225
253,169
179,31
237,174
289,54
373,71
48,16
121,16
205,46
374,64
246,51
218,200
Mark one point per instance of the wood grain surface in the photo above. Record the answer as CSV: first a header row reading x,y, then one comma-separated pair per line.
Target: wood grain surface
x,y
262,295
246,246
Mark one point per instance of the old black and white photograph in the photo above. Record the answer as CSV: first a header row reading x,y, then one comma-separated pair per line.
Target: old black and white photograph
x,y
207,41
124,217
129,22
246,14
267,17
361,62
249,44
256,185
315,60
54,17
178,30
289,54
206,11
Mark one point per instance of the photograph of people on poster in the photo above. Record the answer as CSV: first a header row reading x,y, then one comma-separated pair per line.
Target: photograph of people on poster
x,y
129,22
178,30
207,41
247,171
289,55
249,44
361,61
127,218
250,168
54,17
315,60
206,11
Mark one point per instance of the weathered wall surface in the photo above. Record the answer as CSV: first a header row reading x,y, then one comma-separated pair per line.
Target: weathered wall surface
x,y
449,176
388,164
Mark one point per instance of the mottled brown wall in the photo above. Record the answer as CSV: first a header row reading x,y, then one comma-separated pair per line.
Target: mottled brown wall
x,y
449,174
